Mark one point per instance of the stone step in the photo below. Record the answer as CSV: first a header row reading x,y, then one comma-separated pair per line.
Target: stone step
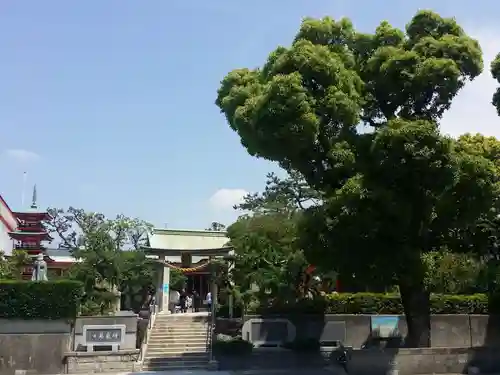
x,y
180,368
176,366
169,333
181,324
174,345
160,340
160,352
174,338
170,324
178,331
186,343
175,333
182,320
176,357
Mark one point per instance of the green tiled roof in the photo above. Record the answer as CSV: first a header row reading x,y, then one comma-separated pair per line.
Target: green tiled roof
x,y
187,239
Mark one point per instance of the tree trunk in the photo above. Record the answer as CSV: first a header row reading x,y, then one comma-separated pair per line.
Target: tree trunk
x,y
416,304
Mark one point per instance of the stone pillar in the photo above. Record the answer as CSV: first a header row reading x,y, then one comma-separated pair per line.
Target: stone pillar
x,y
159,283
166,288
230,267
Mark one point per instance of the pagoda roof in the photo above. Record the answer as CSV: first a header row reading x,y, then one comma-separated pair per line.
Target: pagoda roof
x,y
22,233
39,214
61,256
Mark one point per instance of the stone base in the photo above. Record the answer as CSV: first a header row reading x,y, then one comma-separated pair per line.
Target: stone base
x,y
101,362
213,365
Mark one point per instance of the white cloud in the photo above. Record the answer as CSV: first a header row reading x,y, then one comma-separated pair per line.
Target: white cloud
x,y
225,199
21,155
472,111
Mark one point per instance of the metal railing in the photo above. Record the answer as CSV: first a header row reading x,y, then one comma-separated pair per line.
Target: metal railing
x,y
211,332
151,321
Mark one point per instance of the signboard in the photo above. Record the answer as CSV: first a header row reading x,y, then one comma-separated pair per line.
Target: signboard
x,y
166,289
385,326
103,335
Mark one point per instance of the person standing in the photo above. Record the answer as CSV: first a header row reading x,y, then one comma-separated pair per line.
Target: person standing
x,y
209,301
196,301
183,300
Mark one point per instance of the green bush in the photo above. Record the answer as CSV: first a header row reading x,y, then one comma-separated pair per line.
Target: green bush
x,y
305,345
227,345
375,303
59,299
223,311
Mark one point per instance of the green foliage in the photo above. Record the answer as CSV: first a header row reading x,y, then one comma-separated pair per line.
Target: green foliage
x,y
177,279
389,194
40,300
304,345
227,345
373,303
215,226
267,258
110,255
281,195
495,72
453,273
137,279
11,267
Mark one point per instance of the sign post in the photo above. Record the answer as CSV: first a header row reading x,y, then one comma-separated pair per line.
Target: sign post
x,y
104,335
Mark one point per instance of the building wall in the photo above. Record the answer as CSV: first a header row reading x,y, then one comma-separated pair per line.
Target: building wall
x,y
8,223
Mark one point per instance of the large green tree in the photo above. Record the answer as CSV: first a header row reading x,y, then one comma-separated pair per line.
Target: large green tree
x,y
265,240
267,256
495,72
394,189
110,256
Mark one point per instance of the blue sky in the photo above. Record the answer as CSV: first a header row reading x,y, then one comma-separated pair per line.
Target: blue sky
x,y
108,105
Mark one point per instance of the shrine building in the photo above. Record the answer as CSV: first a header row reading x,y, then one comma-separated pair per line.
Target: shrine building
x,y
190,251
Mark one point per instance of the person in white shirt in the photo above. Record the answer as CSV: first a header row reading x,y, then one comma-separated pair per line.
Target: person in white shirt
x,y
209,301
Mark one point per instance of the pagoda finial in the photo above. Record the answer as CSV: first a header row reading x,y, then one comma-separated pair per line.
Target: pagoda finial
x,y
33,200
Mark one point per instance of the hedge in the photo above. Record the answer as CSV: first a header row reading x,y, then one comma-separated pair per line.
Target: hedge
x,y
58,299
374,303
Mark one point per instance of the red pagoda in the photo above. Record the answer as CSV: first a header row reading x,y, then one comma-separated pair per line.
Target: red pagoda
x,y
30,232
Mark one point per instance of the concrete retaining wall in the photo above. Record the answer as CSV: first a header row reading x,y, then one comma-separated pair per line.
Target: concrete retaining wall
x,y
446,330
99,362
372,361
36,346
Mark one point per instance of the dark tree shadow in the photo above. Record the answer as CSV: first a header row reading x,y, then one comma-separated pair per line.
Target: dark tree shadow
x,y
485,341
320,341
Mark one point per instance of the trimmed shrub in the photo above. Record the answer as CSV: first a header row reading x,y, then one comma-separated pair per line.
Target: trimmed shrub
x,y
227,345
59,299
377,303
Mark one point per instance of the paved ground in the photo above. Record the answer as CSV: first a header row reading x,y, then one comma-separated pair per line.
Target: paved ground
x,y
315,371
248,372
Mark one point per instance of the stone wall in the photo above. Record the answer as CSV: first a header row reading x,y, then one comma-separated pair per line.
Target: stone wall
x,y
458,341
446,330
101,362
45,347
36,346
371,361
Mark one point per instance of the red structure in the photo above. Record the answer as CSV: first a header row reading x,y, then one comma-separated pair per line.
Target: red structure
x,y
30,233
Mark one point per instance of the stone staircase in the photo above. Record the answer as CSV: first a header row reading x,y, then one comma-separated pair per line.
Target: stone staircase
x,y
178,342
